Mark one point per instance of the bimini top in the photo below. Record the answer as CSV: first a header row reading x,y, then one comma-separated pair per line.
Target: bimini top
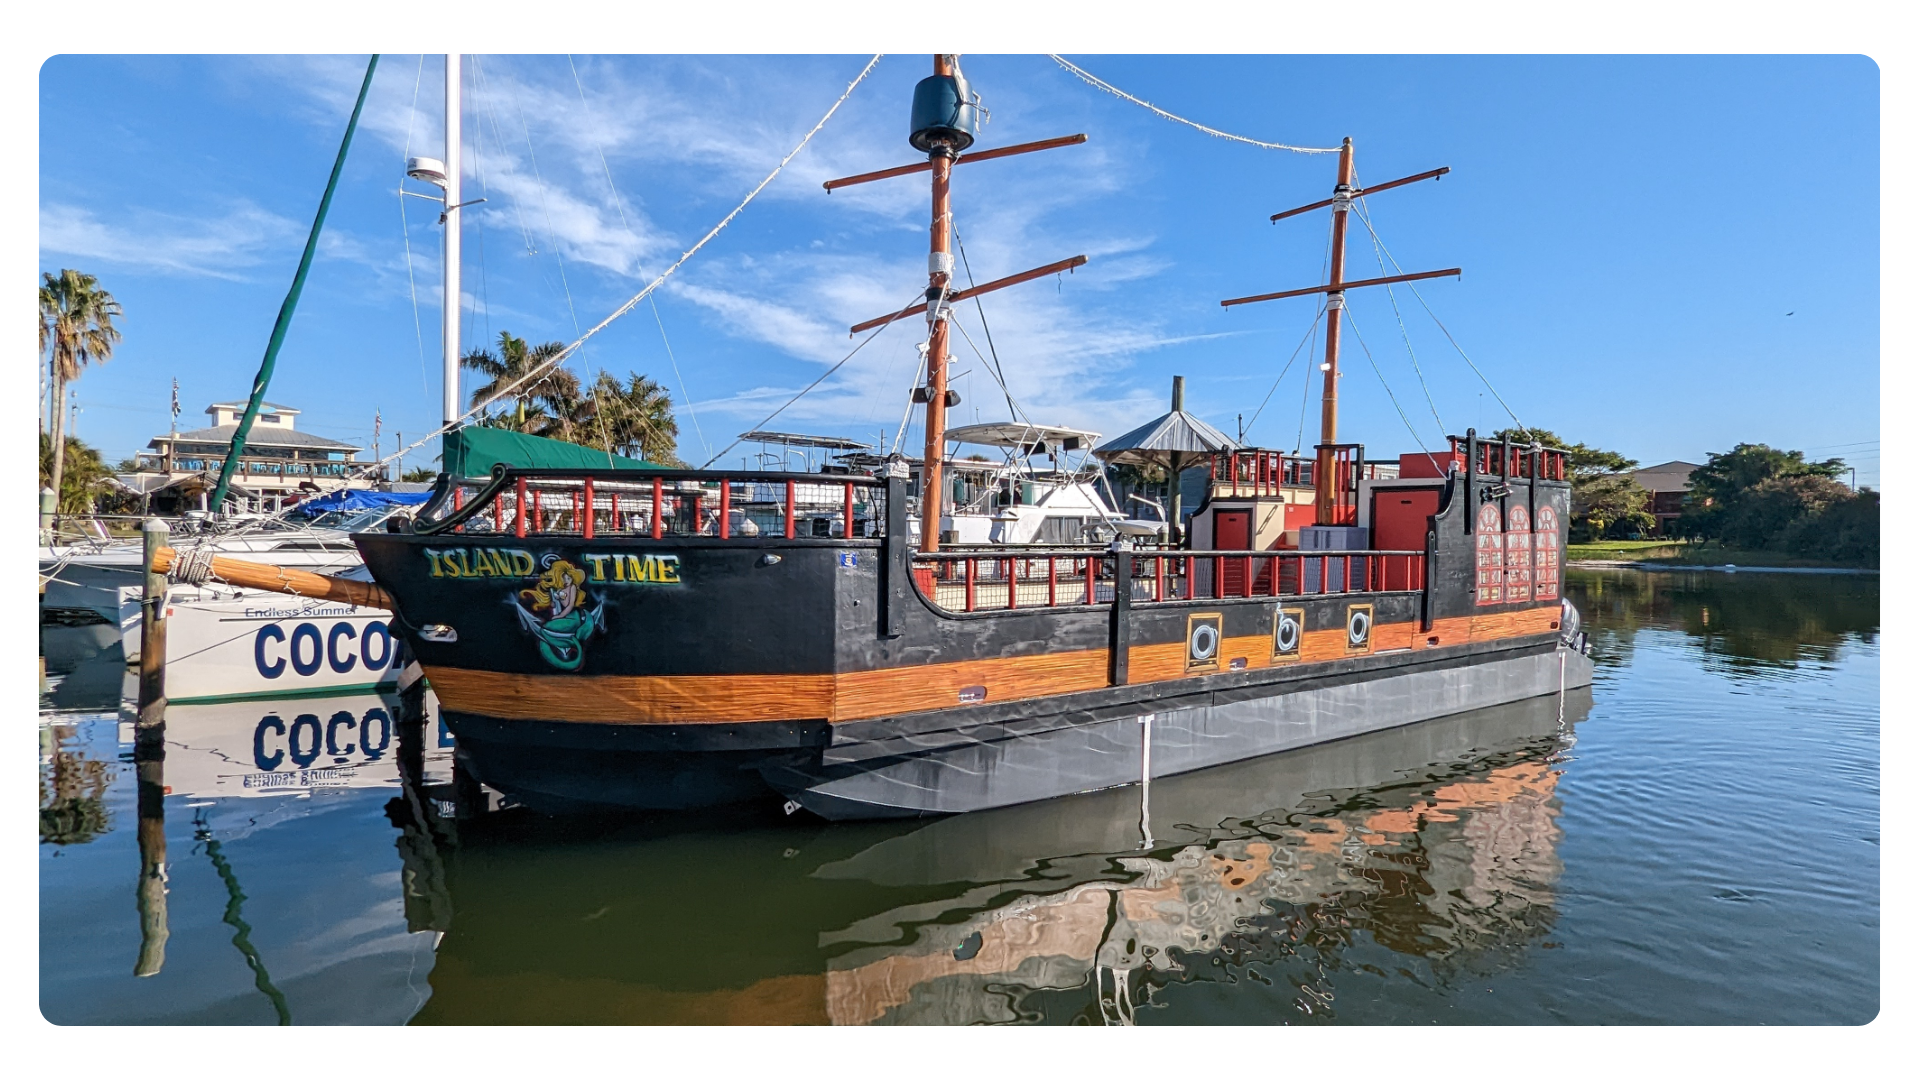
x,y
1156,441
1029,438
818,442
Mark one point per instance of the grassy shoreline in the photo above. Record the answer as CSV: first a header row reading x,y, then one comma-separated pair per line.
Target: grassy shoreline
x,y
1682,553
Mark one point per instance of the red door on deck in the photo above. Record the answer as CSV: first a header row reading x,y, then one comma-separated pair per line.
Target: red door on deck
x,y
1400,524
1233,531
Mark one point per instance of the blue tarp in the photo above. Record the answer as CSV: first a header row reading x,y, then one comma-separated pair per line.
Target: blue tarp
x,y
350,499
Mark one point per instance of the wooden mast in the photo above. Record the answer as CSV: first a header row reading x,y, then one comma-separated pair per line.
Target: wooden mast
x,y
1323,478
944,146
939,285
1336,289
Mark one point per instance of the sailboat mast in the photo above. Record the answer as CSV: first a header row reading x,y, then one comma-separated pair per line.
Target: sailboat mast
x,y
450,256
1323,478
939,284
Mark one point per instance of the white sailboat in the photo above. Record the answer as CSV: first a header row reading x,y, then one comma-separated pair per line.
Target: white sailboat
x,y
227,643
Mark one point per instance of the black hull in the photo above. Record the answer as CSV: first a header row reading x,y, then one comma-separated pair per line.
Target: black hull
x,y
604,668
946,768
563,768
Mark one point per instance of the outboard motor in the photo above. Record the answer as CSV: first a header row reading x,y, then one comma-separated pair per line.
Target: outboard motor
x,y
1570,631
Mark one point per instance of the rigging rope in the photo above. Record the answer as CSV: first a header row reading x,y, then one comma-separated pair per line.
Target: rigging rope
x,y
1311,327
560,261
899,433
1101,84
1000,375
546,211
917,296
1306,391
1405,338
664,275
1354,325
483,312
406,240
1306,387
678,379
1443,326
620,207
500,143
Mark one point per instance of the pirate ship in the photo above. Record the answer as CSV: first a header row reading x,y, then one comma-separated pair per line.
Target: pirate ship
x,y
679,638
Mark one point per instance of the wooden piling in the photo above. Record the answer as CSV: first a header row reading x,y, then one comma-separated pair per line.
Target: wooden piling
x,y
150,894
153,629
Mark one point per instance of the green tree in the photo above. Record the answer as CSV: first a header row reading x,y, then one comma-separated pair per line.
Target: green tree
x,y
634,419
572,415
534,400
1847,531
82,478
76,328
1606,501
420,475
1718,492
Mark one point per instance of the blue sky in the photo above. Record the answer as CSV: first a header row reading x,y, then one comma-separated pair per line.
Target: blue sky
x,y
1634,232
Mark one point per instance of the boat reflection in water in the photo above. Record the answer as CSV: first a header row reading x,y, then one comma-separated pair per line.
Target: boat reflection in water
x,y
256,824
1435,841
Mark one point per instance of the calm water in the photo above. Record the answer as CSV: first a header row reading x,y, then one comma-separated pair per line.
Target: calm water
x,y
1696,841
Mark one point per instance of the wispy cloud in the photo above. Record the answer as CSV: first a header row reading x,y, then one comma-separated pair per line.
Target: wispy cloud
x,y
616,173
222,246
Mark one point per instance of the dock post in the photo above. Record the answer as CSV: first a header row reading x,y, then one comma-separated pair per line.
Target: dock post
x,y
153,630
1119,634
149,758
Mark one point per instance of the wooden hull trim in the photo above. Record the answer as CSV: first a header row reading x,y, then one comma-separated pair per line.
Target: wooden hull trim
x,y
865,695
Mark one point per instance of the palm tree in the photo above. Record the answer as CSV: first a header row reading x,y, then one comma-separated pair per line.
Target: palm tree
x,y
639,417
508,366
576,415
76,328
84,474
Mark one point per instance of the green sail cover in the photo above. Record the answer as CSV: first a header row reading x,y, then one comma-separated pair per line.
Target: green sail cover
x,y
474,451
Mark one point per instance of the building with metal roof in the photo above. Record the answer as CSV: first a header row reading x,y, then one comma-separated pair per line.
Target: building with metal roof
x,y
279,460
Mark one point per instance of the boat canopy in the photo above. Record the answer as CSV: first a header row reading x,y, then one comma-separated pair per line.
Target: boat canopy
x,y
476,450
815,442
349,500
1028,438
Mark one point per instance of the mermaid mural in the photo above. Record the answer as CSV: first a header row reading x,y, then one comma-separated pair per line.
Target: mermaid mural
x,y
553,612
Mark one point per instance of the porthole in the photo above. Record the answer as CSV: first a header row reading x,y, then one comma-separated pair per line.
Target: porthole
x,y
1289,630
1203,642
1359,627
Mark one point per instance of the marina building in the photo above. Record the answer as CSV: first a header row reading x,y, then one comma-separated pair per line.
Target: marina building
x,y
1667,483
279,463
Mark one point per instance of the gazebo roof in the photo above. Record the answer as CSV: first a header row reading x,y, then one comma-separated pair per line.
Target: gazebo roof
x,y
1156,441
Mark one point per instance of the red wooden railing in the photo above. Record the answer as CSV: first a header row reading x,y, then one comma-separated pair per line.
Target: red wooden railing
x,y
1519,461
987,580
742,508
1257,473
